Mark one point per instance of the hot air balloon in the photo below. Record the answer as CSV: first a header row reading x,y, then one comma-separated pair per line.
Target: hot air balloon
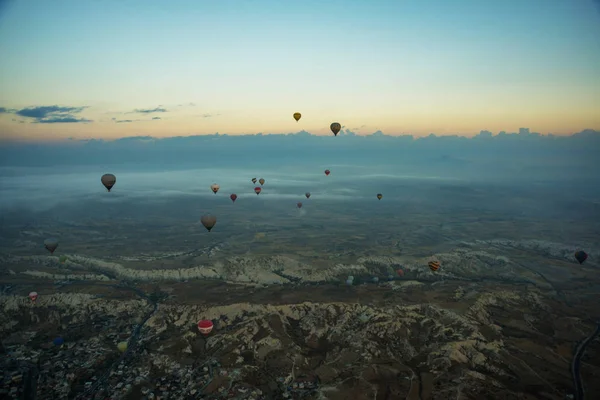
x,y
58,341
261,181
122,346
51,244
254,180
379,196
33,296
62,259
299,205
205,326
335,128
108,180
257,190
233,197
375,279
297,116
400,273
208,221
434,265
327,172
349,282
581,256
215,188
307,194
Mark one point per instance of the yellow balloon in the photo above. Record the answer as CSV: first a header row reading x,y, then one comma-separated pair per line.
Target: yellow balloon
x,y
122,346
297,116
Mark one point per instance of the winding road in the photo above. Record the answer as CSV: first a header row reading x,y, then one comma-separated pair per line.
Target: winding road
x,y
576,363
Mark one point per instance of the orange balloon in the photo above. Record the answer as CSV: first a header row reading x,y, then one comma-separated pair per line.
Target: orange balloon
x,y
434,265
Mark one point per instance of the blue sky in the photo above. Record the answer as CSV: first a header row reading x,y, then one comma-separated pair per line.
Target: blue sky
x,y
246,66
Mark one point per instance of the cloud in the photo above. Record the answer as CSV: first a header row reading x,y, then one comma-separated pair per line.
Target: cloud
x,y
124,121
149,110
62,120
46,111
361,166
448,154
50,114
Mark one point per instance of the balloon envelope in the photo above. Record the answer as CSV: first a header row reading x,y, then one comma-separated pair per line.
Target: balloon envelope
x,y
307,194
327,172
335,128
205,326
257,190
261,181
51,244
33,296
400,272
233,197
434,265
108,180
299,205
208,221
297,116
58,341
122,346
379,196
581,256
62,259
254,180
215,188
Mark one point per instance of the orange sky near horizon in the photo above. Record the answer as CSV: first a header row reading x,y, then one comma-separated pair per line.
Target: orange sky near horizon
x,y
190,121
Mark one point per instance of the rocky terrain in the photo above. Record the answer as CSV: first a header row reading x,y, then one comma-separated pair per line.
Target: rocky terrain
x,y
419,340
478,260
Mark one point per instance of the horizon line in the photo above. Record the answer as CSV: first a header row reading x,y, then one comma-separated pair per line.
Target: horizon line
x,y
523,132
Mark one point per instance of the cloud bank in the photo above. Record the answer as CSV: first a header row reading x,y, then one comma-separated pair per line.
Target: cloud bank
x,y
510,157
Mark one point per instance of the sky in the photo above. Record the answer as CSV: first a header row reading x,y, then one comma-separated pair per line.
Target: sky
x,y
117,68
